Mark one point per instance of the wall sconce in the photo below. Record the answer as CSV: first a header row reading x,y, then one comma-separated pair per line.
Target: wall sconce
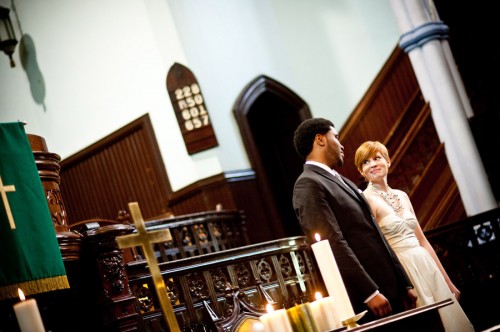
x,y
8,39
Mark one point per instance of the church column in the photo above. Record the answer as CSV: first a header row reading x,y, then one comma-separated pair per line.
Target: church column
x,y
424,39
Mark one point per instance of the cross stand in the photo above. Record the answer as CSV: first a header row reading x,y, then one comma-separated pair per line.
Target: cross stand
x,y
146,240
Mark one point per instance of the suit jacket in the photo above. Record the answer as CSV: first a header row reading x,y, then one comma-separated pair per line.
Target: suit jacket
x,y
366,262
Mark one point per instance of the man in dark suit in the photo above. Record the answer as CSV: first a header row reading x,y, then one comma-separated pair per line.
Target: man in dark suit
x,y
332,206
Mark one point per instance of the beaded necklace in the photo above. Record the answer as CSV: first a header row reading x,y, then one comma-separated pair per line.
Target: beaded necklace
x,y
392,199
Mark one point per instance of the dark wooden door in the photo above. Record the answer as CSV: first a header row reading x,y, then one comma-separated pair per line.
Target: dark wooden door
x,y
267,113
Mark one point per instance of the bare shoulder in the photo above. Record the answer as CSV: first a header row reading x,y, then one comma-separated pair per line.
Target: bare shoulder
x,y
377,204
400,193
370,196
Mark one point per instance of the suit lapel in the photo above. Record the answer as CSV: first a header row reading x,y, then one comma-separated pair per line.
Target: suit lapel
x,y
344,186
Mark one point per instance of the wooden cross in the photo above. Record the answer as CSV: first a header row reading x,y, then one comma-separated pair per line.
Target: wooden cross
x,y
146,240
3,192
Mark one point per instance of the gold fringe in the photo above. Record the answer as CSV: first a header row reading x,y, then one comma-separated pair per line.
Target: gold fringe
x,y
34,287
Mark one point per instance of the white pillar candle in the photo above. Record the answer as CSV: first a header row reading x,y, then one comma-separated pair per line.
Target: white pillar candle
x,y
27,314
275,320
325,313
332,278
301,318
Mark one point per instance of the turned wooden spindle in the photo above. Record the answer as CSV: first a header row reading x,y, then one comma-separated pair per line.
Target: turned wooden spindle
x,y
48,167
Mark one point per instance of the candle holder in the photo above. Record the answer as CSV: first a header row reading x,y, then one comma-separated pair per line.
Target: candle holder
x,y
352,322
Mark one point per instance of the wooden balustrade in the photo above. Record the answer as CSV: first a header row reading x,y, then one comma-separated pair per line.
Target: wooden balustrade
x,y
469,249
199,233
221,290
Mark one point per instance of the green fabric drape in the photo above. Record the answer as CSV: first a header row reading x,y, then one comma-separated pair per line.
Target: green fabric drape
x,y
30,258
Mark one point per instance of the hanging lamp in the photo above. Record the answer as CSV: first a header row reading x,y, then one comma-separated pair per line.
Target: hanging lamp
x,y
8,39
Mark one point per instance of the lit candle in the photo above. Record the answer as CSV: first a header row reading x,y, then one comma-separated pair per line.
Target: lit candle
x,y
27,314
275,320
332,278
324,313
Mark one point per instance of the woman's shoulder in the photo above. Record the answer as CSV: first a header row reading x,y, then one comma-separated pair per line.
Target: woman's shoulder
x,y
400,192
376,203
371,196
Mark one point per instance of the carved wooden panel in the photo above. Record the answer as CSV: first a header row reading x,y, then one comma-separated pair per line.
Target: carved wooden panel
x,y
198,233
469,250
231,282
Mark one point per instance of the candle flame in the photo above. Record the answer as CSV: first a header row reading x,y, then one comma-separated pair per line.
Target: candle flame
x,y
317,237
21,294
318,296
269,307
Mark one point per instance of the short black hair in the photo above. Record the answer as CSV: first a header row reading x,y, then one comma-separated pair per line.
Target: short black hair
x,y
304,135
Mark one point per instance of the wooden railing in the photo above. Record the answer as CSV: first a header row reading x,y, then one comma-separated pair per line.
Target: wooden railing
x,y
469,249
221,290
215,279
199,233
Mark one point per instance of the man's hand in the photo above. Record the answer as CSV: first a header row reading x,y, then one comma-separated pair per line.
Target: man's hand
x,y
380,306
411,299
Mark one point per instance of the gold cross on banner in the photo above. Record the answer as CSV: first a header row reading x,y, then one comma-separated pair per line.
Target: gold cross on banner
x,y
146,240
3,192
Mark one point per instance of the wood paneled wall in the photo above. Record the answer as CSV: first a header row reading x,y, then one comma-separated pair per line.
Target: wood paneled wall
x,y
126,166
394,112
123,167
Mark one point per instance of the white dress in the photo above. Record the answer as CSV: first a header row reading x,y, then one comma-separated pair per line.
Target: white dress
x,y
423,272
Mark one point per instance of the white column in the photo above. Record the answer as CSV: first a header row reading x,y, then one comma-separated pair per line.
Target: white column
x,y
424,38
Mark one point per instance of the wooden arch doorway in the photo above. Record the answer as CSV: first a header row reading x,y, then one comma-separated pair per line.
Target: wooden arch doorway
x,y
267,113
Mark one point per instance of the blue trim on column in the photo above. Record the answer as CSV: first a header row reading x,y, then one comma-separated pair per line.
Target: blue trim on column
x,y
423,34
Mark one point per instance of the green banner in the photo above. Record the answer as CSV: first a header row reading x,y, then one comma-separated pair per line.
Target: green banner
x,y
30,258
